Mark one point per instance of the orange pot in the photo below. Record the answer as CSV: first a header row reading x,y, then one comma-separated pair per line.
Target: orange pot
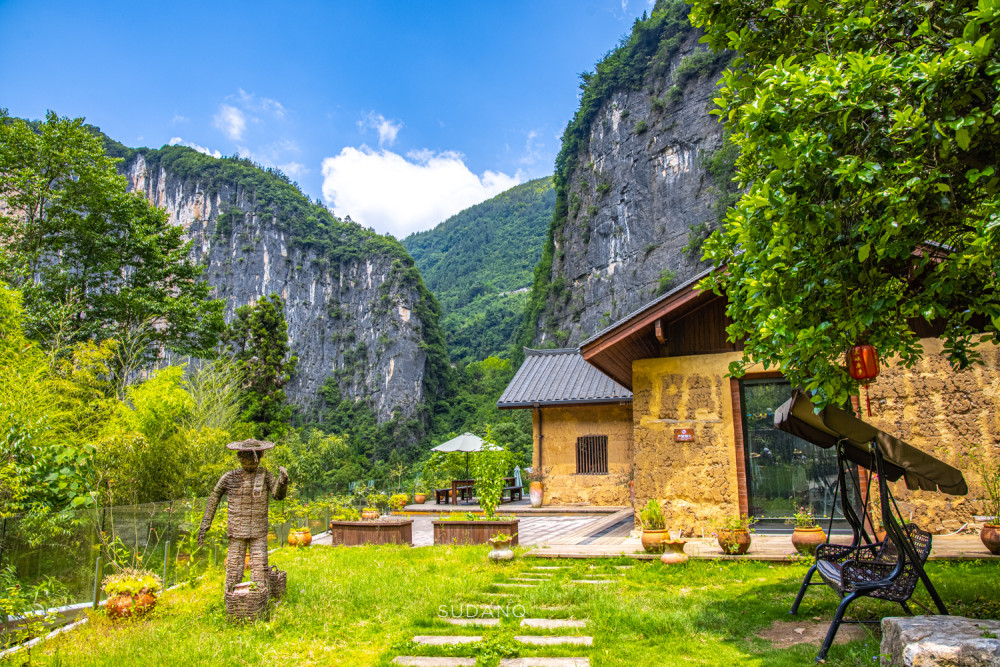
x,y
734,542
127,605
990,535
300,538
805,540
419,498
652,540
369,515
673,552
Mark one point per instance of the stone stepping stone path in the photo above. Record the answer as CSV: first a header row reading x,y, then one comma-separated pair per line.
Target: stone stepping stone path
x,y
527,579
446,640
552,640
509,585
472,621
624,567
548,567
545,662
551,623
591,581
552,607
420,661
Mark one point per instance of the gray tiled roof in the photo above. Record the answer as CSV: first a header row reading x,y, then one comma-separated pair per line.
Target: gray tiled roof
x,y
558,377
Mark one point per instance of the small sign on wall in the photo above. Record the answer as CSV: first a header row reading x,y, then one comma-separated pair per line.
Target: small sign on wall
x,y
683,434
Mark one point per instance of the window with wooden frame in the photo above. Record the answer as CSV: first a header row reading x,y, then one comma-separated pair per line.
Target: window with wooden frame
x,y
592,455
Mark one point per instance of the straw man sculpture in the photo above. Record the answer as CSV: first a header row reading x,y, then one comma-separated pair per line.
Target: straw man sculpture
x,y
248,489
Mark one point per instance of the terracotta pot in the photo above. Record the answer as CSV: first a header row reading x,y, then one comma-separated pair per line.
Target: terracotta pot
x,y
535,493
371,515
805,540
299,538
734,542
652,540
880,535
673,553
419,498
501,553
127,605
990,535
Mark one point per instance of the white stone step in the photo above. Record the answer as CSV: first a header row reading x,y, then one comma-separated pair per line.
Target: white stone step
x,y
544,640
549,623
548,567
526,579
446,640
472,621
506,585
591,581
545,662
426,661
624,567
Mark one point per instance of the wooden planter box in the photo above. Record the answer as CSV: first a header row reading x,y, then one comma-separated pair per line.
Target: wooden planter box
x,y
472,532
354,533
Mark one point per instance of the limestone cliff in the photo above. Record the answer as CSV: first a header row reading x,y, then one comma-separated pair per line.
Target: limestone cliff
x,y
637,182
356,308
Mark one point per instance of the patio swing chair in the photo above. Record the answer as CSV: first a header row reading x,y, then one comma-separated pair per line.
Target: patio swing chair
x,y
890,569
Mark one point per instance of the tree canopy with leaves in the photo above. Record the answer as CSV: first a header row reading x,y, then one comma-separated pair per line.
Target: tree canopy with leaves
x,y
92,260
868,161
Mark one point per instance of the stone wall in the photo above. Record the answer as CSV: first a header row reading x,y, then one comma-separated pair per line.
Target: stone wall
x,y
696,481
946,413
561,426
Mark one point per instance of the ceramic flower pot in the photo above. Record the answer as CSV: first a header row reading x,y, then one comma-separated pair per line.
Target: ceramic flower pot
x,y
535,493
501,553
652,540
805,540
990,535
419,498
673,552
369,515
734,542
300,537
126,605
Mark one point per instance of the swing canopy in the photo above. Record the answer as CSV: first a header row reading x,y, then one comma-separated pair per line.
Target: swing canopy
x,y
831,425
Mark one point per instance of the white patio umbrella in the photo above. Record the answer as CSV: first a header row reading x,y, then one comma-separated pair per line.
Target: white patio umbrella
x,y
467,442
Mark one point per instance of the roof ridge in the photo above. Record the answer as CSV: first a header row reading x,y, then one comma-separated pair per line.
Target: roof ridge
x,y
551,350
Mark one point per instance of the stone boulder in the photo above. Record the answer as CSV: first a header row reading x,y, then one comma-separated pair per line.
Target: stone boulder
x,y
954,641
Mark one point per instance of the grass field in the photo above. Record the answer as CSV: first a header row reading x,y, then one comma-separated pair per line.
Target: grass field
x,y
363,606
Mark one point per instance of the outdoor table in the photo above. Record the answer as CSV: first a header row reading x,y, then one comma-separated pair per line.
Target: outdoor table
x,y
462,484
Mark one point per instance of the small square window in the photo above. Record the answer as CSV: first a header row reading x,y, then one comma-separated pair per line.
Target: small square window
x,y
592,455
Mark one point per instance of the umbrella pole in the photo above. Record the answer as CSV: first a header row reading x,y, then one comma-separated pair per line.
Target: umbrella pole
x,y
467,465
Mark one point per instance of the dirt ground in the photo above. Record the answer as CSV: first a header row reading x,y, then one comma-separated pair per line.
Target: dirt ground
x,y
803,631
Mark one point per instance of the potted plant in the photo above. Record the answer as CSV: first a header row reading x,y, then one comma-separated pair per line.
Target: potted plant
x,y
131,593
300,537
989,478
653,527
734,535
379,501
807,535
419,494
369,513
535,487
501,551
398,501
673,552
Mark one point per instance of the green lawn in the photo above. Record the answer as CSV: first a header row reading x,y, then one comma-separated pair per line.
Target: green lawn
x,y
363,605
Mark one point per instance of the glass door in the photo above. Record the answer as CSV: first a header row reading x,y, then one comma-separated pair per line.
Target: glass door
x,y
783,472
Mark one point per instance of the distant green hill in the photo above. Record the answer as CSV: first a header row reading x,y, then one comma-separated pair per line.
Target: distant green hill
x,y
477,261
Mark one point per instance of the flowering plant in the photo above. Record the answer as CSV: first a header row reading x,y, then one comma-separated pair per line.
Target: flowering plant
x,y
803,517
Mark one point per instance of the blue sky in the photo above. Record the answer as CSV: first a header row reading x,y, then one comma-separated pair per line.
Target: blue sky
x,y
396,113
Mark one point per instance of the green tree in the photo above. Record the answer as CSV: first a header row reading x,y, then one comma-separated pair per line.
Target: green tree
x,y
257,339
76,240
868,151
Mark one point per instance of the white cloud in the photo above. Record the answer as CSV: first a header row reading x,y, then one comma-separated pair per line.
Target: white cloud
x,y
231,121
293,169
179,118
387,129
532,149
402,195
252,102
175,141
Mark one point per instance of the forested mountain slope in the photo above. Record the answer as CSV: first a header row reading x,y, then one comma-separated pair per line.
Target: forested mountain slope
x,y
639,181
357,311
480,263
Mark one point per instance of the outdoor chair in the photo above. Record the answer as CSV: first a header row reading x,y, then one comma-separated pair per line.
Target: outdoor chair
x,y
887,570
442,495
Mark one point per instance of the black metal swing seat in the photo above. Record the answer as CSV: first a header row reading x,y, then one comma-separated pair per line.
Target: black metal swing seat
x,y
887,570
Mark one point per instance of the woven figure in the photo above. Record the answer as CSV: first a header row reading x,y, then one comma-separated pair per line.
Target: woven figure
x,y
247,490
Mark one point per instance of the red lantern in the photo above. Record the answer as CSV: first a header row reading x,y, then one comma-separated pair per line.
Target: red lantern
x,y
862,364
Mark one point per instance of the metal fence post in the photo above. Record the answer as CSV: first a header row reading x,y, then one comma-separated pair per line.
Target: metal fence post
x,y
97,583
166,560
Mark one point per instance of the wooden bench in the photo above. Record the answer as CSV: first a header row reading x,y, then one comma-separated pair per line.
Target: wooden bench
x,y
442,495
511,489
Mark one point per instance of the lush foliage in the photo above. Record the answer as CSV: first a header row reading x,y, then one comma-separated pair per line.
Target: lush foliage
x,y
986,465
476,260
651,516
803,517
489,468
92,260
131,581
257,339
868,149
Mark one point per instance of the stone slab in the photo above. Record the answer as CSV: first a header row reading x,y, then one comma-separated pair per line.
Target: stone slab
x,y
472,621
548,567
955,641
504,585
543,640
424,661
446,640
552,623
545,662
527,579
591,581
